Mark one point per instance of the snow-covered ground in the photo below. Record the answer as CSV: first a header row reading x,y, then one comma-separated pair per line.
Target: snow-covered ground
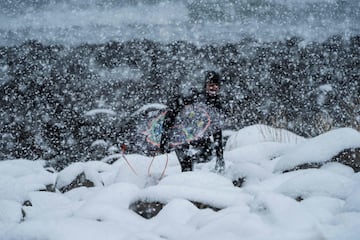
x,y
313,204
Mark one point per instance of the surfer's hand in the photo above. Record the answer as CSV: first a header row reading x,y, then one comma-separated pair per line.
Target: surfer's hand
x,y
164,149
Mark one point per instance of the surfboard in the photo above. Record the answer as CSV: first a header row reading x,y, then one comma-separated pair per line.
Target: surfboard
x,y
192,123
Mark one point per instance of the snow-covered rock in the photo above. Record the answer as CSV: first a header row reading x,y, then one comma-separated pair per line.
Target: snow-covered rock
x,y
323,208
253,161
260,133
306,204
196,187
21,167
77,175
349,157
10,211
20,177
10,215
318,150
317,183
353,200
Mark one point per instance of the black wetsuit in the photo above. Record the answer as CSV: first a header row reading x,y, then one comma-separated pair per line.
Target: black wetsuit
x,y
204,146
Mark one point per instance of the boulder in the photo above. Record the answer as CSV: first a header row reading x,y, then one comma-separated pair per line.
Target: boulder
x,y
340,145
148,209
349,157
77,175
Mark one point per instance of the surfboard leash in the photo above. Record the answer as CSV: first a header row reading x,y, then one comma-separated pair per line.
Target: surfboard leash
x,y
165,167
123,149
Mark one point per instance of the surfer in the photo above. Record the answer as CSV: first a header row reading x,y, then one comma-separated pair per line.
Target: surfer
x,y
205,146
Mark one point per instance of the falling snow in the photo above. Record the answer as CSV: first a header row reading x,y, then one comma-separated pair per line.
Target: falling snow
x,y
80,78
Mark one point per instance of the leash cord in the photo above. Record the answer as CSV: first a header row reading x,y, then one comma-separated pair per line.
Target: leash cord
x,y
165,167
128,163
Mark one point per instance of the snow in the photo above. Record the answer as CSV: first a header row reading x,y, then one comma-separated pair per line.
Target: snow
x,y
10,212
319,149
267,206
352,202
19,177
94,112
326,88
318,182
260,133
149,106
66,176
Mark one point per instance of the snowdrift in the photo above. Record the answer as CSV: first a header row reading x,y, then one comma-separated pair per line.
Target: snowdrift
x,y
276,199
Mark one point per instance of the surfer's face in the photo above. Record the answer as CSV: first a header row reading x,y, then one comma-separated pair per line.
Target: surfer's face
x,y
212,89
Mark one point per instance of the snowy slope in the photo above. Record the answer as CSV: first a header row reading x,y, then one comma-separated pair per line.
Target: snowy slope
x,y
314,204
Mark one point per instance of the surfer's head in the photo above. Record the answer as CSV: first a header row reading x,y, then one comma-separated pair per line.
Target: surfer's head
x,y
212,83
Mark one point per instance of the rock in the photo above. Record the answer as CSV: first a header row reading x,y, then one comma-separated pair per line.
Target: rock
x,y
349,157
27,203
79,181
23,214
77,175
151,209
200,205
48,188
305,166
239,182
147,209
340,145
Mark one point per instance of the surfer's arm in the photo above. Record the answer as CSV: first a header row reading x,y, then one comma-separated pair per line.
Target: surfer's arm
x,y
192,98
169,121
177,104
